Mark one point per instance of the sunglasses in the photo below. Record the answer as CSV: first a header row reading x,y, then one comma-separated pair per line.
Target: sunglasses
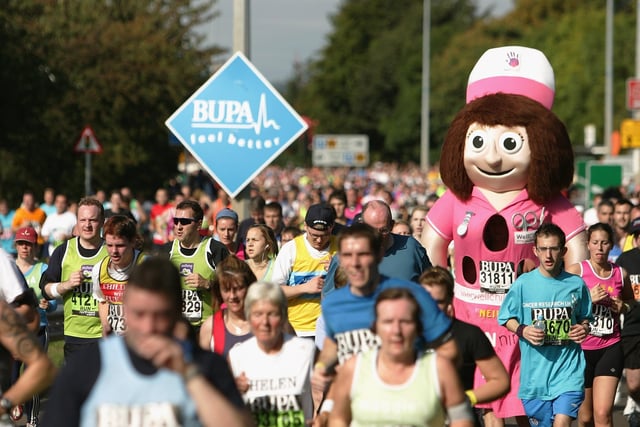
x,y
183,221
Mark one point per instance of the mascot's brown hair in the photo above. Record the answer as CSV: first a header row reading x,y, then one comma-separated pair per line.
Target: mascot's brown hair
x,y
551,165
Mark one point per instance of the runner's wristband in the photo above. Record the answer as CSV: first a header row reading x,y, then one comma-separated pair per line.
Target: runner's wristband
x,y
327,406
54,290
190,373
473,400
520,330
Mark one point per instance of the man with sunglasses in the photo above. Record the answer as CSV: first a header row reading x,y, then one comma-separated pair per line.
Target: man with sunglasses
x,y
196,259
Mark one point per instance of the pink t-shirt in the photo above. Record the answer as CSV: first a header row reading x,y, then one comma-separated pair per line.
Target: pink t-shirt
x,y
605,329
491,249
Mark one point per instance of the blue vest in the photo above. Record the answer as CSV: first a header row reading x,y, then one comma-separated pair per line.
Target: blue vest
x,y
122,396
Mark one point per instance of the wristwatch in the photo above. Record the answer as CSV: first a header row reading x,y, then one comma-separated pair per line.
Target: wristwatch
x,y
6,404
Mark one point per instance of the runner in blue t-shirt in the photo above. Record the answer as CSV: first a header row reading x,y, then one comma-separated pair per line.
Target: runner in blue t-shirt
x,y
349,312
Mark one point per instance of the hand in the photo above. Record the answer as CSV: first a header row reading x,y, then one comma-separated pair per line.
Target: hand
x,y
196,281
321,420
598,293
75,279
106,330
242,382
578,333
314,285
43,304
617,305
320,378
533,335
162,351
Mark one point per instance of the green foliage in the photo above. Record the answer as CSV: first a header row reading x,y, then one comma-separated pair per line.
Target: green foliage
x,y
368,77
120,66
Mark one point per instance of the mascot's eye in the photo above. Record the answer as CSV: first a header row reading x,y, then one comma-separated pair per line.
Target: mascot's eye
x,y
477,140
511,142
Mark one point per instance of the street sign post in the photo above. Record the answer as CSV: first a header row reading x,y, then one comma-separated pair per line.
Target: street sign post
x,y
235,124
341,150
87,144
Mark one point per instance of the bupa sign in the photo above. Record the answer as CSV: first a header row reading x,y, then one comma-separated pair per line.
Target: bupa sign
x,y
236,124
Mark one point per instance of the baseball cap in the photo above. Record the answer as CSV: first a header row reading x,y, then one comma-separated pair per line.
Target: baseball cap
x,y
635,226
26,234
227,213
320,217
514,70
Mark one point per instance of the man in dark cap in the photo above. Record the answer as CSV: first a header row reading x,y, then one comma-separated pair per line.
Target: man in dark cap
x,y
301,267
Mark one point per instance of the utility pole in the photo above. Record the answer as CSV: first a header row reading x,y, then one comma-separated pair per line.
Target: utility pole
x,y
426,64
241,39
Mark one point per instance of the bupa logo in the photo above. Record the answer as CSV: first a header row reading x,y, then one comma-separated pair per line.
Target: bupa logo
x,y
236,124
226,120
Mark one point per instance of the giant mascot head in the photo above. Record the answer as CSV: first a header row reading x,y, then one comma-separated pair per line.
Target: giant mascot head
x,y
506,138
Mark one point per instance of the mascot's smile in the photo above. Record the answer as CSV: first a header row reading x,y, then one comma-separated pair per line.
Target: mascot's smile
x,y
494,173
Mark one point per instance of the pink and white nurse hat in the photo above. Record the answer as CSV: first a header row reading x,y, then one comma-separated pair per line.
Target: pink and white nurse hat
x,y
515,70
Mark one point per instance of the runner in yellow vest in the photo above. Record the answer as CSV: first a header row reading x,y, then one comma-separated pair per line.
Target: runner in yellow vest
x,y
69,277
301,266
196,259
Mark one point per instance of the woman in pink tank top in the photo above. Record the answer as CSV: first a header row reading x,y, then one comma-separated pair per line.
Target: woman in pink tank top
x,y
610,288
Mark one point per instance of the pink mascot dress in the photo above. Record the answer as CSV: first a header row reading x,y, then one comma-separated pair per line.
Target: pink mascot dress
x,y
505,160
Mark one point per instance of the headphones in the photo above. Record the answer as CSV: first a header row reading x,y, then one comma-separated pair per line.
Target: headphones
x,y
266,246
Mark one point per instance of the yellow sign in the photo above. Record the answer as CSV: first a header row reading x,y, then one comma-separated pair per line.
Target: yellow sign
x,y
630,133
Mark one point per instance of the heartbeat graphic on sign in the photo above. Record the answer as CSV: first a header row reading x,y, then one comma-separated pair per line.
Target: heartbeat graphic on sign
x,y
262,120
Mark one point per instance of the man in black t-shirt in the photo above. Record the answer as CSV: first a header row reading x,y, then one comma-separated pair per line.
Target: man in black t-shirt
x,y
630,335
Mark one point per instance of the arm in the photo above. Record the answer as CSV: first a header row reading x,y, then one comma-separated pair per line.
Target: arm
x,y
53,272
627,291
313,286
212,406
323,370
529,333
205,339
103,312
452,395
576,249
436,246
39,372
497,380
50,281
340,416
25,305
103,305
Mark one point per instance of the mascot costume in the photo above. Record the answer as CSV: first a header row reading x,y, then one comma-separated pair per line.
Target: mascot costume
x,y
505,159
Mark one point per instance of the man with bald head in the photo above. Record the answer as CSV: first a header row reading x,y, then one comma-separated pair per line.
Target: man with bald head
x,y
403,256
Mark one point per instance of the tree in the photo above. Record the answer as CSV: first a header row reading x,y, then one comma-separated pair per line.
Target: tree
x,y
120,66
368,78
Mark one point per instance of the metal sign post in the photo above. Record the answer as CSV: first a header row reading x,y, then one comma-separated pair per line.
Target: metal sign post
x,y
87,144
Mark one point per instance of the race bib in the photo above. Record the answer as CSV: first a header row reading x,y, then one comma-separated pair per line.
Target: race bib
x,y
603,321
115,318
557,324
82,301
496,277
191,305
279,419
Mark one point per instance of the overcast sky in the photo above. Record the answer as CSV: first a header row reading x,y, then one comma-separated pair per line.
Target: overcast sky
x,y
286,31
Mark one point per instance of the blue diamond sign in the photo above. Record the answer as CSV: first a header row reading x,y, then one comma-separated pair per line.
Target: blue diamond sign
x,y
236,124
